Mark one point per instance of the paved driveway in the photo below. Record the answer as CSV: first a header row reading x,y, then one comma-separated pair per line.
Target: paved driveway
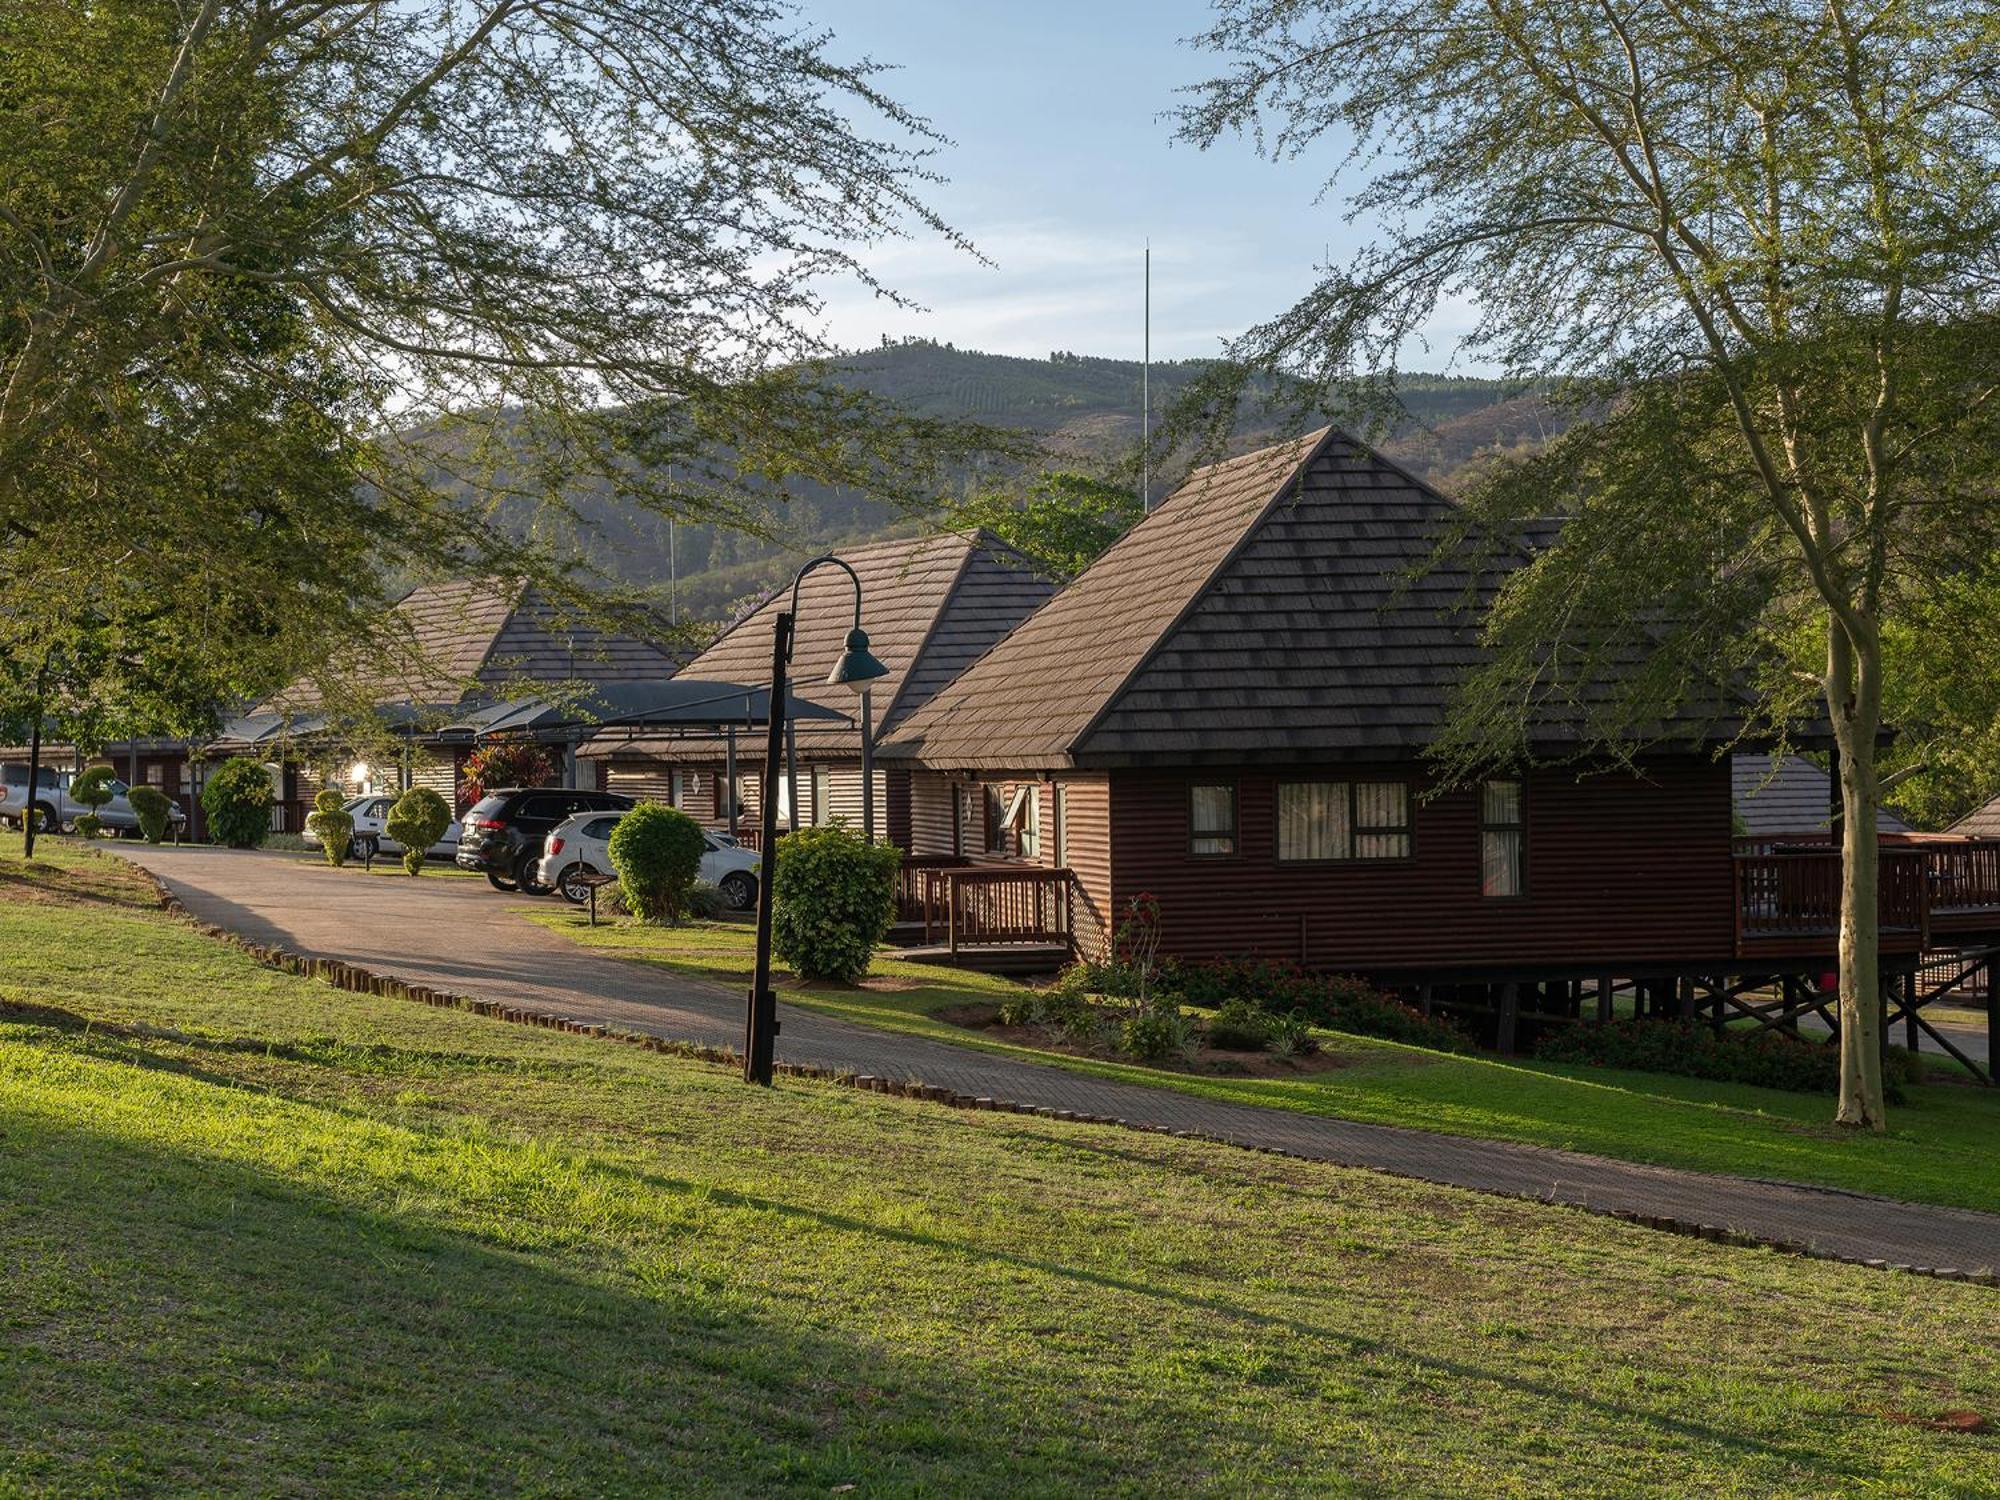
x,y
459,935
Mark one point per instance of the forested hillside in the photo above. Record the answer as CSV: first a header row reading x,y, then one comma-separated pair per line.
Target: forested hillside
x,y
1086,411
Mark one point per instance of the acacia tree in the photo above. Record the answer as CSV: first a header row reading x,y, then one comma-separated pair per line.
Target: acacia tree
x,y
1061,521
1756,244
295,295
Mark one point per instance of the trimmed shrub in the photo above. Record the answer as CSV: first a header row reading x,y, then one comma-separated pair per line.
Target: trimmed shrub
x,y
1240,1026
153,808
503,763
833,896
1291,1035
1692,1049
93,789
656,851
418,820
237,798
332,825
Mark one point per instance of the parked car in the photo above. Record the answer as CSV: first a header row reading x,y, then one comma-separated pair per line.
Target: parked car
x,y
582,846
501,835
61,810
371,829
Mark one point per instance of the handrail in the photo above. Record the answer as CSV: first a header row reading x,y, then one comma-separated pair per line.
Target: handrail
x,y
985,905
1796,892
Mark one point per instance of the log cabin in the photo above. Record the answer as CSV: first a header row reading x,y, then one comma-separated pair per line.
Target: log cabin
x,y
1231,710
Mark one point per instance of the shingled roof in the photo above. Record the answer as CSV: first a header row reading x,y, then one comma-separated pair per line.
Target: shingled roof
x,y
931,605
1275,607
492,633
1777,795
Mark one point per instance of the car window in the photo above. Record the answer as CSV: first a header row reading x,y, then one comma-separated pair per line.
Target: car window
x,y
599,828
548,806
486,807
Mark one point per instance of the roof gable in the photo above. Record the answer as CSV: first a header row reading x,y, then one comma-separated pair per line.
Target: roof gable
x,y
1036,694
1775,795
931,605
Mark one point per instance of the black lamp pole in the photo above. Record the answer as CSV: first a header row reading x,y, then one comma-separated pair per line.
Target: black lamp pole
x,y
854,668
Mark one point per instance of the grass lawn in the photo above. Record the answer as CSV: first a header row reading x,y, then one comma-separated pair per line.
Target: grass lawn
x,y
262,1235
1943,1147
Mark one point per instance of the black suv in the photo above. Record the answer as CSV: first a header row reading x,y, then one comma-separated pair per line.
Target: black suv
x,y
501,837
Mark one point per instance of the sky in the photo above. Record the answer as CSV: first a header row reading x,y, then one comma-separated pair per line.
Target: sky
x,y
1062,167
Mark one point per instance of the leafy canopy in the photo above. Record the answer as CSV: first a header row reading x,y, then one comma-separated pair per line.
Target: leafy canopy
x,y
1061,522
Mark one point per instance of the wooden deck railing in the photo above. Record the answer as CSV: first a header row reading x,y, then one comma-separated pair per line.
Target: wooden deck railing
x,y
914,893
1795,893
1964,874
990,905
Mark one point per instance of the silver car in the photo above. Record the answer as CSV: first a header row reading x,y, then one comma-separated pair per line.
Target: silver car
x,y
371,829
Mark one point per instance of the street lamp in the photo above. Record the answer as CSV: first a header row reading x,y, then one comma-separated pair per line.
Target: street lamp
x,y
855,670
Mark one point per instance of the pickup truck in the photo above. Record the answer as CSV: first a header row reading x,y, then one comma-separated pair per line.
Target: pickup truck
x,y
59,809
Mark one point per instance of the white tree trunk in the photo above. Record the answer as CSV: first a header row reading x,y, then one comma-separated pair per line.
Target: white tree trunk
x,y
1854,702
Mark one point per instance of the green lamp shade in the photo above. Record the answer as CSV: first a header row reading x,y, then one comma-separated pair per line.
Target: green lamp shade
x,y
857,666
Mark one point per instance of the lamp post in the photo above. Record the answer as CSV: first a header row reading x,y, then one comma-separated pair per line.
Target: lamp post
x,y
855,669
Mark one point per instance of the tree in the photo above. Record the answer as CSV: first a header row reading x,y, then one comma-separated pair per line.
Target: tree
x,y
656,851
297,296
153,809
503,763
237,798
1756,243
1061,522
416,821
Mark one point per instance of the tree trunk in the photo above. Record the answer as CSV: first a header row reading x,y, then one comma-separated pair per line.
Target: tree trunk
x,y
1854,702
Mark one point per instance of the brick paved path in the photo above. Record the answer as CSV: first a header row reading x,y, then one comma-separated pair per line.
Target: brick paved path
x,y
463,937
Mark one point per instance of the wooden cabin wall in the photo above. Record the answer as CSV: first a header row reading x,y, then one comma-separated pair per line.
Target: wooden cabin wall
x,y
1619,869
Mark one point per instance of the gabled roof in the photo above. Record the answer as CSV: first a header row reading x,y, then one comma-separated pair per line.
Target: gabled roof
x,y
1776,795
931,605
493,632
1280,606
1980,823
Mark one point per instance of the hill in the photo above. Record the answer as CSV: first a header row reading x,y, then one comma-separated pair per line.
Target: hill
x,y
1084,408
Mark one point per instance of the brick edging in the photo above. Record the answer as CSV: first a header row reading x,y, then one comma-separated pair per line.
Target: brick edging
x,y
358,980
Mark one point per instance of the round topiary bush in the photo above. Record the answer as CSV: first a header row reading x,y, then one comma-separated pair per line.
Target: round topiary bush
x,y
237,798
332,825
93,790
152,808
417,821
656,851
833,897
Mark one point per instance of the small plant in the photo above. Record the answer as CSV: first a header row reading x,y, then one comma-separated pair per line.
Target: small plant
x,y
704,902
1240,1026
1158,1033
1137,944
93,790
237,798
1291,1035
503,763
417,821
656,851
153,809
332,825
833,897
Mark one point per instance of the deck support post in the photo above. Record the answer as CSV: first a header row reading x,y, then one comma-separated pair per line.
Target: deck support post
x,y
1424,998
1604,999
1510,1007
1686,999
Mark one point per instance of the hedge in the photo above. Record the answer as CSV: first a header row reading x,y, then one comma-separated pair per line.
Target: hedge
x,y
833,897
237,798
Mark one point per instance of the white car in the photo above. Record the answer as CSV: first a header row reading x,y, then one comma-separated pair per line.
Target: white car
x,y
582,846
371,825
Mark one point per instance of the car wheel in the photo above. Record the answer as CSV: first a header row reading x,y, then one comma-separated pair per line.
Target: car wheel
x,y
524,876
361,847
739,890
568,886
500,882
46,820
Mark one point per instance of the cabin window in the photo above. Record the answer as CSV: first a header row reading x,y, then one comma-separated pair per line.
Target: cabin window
x,y
677,788
1212,819
1502,840
1327,820
822,795
996,821
1026,815
1062,824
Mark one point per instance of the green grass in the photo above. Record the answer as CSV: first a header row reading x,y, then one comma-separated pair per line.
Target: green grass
x,y
261,1235
1943,1147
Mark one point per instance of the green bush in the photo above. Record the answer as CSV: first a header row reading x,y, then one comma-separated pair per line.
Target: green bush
x,y
152,807
1692,1049
332,825
656,851
833,897
1158,1033
93,789
417,821
704,902
1240,1026
237,798
1291,1035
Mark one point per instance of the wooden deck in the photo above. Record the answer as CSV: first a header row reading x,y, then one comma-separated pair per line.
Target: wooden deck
x,y
1005,917
1934,889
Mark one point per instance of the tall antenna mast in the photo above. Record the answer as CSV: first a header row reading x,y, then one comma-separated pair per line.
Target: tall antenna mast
x,y
673,559
1146,396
